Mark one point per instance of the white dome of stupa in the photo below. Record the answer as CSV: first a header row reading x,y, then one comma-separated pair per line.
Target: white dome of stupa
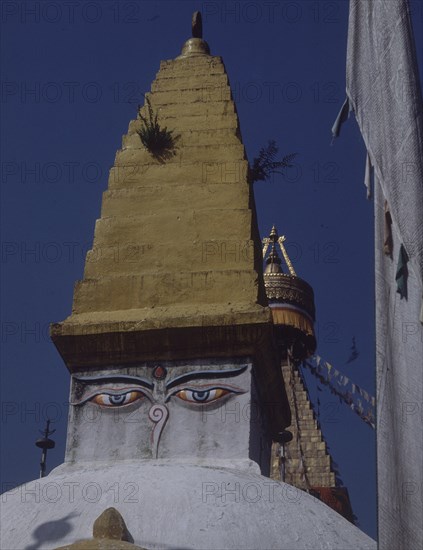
x,y
174,505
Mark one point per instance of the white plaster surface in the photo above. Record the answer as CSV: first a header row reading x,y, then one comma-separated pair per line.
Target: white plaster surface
x,y
170,504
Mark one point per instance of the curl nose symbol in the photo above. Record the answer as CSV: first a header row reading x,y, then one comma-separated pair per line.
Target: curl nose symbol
x,y
159,415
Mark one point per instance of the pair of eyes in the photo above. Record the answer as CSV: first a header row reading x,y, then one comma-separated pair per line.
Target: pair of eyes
x,y
191,396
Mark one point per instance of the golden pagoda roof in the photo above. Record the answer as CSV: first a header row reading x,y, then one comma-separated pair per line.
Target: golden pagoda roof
x,y
284,287
291,299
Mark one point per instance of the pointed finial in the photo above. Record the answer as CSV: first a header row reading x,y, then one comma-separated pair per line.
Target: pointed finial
x,y
274,234
195,46
197,25
273,261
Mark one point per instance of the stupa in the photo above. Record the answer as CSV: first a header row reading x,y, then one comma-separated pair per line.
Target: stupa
x,y
301,458
176,389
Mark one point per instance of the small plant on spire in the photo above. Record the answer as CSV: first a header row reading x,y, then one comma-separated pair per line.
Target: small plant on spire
x,y
265,164
159,141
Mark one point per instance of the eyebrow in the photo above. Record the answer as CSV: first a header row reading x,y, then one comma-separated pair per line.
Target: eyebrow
x,y
115,378
205,374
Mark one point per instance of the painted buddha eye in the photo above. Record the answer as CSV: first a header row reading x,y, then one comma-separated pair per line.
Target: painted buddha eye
x,y
117,399
202,396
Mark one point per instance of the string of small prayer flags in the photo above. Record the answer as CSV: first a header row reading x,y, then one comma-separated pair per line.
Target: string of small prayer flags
x,y
359,400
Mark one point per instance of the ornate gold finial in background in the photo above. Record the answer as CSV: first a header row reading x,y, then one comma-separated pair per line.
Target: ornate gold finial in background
x,y
291,299
272,239
197,25
274,233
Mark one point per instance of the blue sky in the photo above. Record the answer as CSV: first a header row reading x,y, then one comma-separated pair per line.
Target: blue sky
x,y
72,76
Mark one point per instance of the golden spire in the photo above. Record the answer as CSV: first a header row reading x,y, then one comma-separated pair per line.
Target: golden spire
x,y
273,256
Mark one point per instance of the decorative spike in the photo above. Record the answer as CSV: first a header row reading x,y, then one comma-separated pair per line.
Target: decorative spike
x,y
266,242
273,257
197,25
286,257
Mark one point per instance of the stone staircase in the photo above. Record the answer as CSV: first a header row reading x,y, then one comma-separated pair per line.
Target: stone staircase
x,y
315,468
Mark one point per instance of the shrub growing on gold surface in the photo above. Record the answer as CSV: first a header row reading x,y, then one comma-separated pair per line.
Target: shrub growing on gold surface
x,y
159,141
